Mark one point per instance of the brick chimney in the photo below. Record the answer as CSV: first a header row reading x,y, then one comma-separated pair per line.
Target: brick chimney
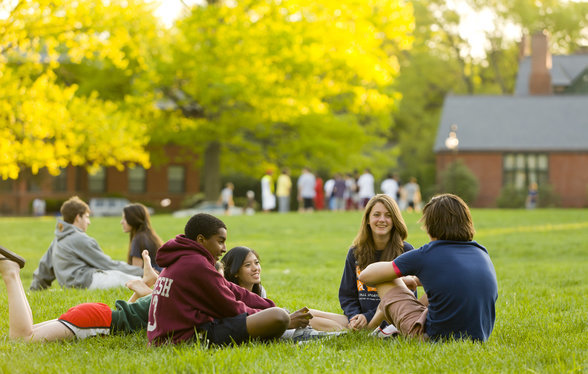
x,y
524,47
540,79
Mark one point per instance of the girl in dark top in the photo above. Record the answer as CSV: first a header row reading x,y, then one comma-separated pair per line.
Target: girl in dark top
x,y
242,267
136,221
380,238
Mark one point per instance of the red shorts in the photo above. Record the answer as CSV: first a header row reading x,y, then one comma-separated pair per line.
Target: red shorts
x,y
88,319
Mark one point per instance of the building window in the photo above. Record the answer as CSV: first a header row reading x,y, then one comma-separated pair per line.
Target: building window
x,y
34,183
522,169
176,179
97,181
137,179
60,181
6,185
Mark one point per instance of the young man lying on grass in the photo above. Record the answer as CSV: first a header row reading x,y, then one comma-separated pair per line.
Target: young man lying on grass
x,y
456,273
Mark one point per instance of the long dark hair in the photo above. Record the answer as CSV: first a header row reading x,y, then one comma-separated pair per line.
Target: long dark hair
x,y
365,247
233,260
137,217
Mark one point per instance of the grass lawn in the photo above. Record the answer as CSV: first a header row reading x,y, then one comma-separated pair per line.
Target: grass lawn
x,y
540,257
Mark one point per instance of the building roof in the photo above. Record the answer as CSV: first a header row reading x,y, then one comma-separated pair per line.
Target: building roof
x,y
515,123
564,69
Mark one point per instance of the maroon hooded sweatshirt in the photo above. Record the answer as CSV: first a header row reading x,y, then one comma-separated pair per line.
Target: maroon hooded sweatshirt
x,y
190,292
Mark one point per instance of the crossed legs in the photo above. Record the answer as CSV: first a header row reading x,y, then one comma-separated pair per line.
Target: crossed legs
x,y
401,308
327,321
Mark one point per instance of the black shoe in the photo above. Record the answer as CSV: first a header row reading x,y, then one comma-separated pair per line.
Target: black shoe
x,y
9,255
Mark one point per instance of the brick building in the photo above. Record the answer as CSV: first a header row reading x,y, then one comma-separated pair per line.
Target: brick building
x,y
173,175
539,134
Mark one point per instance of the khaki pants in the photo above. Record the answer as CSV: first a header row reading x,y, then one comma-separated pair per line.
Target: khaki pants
x,y
404,311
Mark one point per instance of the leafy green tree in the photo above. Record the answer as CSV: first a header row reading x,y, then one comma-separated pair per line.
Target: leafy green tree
x,y
440,63
269,83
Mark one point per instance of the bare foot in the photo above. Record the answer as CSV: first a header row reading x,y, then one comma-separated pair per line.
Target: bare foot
x,y
8,266
140,288
149,274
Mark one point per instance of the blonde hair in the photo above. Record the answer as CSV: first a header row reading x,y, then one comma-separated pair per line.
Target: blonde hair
x,y
365,247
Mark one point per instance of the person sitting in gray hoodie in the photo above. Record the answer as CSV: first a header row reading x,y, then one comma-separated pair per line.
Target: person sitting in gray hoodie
x,y
76,259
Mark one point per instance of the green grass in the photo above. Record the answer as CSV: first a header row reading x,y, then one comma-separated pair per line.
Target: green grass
x,y
540,258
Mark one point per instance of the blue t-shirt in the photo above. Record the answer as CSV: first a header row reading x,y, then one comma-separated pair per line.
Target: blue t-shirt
x,y
460,283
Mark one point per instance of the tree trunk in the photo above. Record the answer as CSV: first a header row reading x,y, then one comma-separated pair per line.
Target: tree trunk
x,y
211,171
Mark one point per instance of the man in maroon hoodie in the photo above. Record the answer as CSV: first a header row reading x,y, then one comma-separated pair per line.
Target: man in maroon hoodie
x,y
191,299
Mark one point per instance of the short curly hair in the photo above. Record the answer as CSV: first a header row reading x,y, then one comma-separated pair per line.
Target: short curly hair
x,y
203,224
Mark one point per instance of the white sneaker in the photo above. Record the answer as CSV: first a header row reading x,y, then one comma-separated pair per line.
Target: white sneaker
x,y
308,333
389,331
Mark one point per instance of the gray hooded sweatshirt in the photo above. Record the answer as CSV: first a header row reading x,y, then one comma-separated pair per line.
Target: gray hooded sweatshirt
x,y
73,257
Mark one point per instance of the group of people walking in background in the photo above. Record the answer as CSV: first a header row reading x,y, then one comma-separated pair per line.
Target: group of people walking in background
x,y
340,192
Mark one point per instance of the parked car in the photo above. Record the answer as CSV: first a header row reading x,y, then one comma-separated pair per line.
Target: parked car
x,y
210,207
107,206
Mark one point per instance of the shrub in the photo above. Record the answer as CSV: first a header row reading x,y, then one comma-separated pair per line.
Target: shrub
x,y
547,197
53,205
458,179
511,198
191,200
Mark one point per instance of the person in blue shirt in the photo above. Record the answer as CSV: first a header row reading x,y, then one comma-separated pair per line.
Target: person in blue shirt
x,y
455,272
380,237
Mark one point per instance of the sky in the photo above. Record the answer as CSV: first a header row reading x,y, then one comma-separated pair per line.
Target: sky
x,y
170,9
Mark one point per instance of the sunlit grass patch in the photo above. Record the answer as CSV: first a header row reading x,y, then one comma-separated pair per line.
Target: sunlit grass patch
x,y
540,258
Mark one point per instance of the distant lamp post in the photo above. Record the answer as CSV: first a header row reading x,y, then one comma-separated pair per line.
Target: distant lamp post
x,y
452,141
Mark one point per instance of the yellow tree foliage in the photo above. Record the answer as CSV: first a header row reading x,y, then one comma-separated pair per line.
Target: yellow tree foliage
x,y
44,123
292,82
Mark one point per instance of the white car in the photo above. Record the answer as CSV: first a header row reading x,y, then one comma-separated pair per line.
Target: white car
x,y
210,207
107,206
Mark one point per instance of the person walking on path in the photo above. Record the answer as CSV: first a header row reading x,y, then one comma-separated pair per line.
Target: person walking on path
x,y
319,193
306,191
365,185
268,199
283,191
390,186
412,193
226,198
